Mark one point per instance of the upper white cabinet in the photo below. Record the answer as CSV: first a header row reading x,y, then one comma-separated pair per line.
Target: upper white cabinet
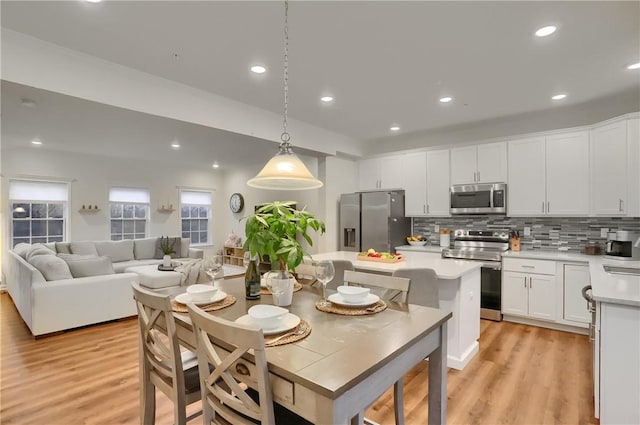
x,y
485,163
549,175
526,189
567,159
609,186
438,182
380,173
415,184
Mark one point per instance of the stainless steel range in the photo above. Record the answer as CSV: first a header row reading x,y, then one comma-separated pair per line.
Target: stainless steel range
x,y
486,246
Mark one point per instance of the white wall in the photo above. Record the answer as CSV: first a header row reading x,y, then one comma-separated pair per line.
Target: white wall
x,y
91,178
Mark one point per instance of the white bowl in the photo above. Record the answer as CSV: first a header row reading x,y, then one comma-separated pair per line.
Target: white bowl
x,y
417,243
201,292
267,316
353,293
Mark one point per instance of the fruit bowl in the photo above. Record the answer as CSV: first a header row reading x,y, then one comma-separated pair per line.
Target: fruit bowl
x,y
417,243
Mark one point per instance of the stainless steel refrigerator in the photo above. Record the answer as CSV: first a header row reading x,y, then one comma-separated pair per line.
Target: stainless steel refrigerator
x,y
373,220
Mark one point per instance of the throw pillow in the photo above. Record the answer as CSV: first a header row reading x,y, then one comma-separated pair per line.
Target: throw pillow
x,y
87,265
184,247
38,249
144,249
51,267
176,248
63,247
22,249
116,250
51,246
83,248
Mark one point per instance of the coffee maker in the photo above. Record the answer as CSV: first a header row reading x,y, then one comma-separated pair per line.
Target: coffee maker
x,y
623,245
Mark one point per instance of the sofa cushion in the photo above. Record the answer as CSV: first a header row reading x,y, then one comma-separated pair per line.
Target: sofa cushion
x,y
22,249
144,249
51,267
38,249
83,248
63,247
124,265
87,265
177,247
51,246
116,250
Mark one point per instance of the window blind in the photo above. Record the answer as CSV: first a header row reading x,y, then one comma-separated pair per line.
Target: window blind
x,y
190,197
30,190
129,195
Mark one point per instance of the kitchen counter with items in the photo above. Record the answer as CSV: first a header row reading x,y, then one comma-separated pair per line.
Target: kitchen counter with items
x,y
458,292
424,248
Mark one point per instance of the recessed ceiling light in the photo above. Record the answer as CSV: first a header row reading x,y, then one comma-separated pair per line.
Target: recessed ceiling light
x,y
545,31
559,96
394,128
216,165
258,69
326,99
36,142
446,99
634,66
175,145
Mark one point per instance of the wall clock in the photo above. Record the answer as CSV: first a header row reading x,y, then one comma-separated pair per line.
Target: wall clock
x,y
236,202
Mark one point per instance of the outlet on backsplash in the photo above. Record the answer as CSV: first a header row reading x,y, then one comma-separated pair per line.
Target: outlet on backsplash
x,y
527,231
436,228
603,232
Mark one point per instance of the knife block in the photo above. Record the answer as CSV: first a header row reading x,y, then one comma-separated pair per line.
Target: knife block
x,y
515,244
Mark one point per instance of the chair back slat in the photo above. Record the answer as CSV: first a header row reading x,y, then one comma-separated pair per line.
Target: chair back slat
x,y
340,267
222,394
394,287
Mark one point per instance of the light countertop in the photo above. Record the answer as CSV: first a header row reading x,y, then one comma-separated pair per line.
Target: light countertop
x,y
551,255
445,268
423,248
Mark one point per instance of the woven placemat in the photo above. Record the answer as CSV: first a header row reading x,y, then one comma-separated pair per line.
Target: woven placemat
x,y
299,332
265,291
226,302
353,311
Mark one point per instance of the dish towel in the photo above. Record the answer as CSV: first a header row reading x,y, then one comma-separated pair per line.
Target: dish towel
x,y
192,272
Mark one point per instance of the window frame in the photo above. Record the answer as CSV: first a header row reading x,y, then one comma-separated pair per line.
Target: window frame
x,y
63,237
134,205
208,218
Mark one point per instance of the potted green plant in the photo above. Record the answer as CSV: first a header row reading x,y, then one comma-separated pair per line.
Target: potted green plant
x,y
166,246
273,229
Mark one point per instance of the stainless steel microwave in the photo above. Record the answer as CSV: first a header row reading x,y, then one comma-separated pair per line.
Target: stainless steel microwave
x,y
488,198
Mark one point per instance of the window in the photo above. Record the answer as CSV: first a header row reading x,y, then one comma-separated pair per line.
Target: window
x,y
129,213
38,211
195,212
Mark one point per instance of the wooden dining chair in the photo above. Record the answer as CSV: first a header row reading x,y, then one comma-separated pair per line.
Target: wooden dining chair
x,y
234,389
392,287
340,267
162,365
424,286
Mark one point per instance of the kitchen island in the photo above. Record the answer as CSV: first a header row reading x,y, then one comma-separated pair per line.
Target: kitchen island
x,y
459,293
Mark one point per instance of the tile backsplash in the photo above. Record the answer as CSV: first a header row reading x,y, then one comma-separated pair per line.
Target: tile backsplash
x,y
569,233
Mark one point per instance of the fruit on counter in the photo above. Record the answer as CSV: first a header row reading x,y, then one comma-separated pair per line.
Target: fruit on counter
x,y
373,253
418,238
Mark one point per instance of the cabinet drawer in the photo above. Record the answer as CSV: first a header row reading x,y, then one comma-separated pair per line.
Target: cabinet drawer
x,y
529,266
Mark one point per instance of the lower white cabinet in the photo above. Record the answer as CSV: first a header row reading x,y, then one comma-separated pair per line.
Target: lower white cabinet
x,y
529,295
575,277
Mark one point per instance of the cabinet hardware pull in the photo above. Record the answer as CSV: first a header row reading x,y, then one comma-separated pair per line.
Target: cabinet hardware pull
x,y
474,177
530,282
528,267
621,205
525,281
548,207
478,176
543,206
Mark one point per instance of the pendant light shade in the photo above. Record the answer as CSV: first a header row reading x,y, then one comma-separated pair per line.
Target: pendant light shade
x,y
285,171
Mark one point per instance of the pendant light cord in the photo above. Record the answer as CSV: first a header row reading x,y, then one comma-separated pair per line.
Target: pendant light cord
x,y
285,137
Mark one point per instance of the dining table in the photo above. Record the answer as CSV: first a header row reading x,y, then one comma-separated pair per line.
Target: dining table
x,y
347,362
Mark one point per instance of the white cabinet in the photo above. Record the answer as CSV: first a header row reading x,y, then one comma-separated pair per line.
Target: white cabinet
x,y
549,175
380,173
567,159
609,169
529,294
486,163
438,183
526,190
415,184
575,277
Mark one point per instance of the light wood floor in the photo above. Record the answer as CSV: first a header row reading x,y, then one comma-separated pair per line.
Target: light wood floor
x,y
522,375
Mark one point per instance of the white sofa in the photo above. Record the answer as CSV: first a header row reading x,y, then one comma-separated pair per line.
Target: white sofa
x,y
53,305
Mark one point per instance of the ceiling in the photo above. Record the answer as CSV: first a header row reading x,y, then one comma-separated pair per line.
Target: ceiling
x,y
385,62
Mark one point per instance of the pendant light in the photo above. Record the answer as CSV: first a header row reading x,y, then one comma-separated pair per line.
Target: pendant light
x,y
285,171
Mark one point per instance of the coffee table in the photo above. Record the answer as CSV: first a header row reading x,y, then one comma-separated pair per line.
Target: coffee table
x,y
152,278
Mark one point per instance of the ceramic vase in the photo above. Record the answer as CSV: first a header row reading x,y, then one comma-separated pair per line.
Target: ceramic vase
x,y
280,283
166,260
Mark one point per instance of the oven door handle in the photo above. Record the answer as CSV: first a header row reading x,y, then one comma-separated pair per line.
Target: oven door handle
x,y
493,265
